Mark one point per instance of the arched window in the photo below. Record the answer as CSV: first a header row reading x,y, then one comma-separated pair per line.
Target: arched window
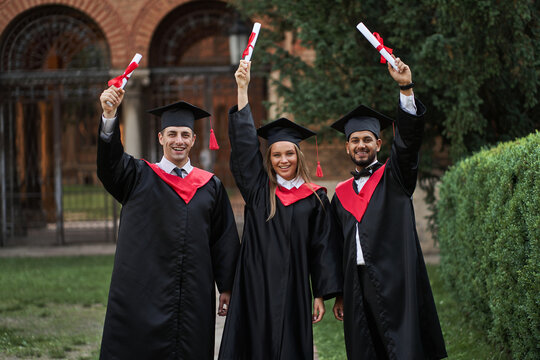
x,y
54,62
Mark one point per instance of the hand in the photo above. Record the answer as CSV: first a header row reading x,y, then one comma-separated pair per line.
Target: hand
x,y
404,75
114,96
338,308
318,310
224,299
242,75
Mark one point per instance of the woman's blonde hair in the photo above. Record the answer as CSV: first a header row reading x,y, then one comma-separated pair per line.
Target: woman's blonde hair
x,y
302,170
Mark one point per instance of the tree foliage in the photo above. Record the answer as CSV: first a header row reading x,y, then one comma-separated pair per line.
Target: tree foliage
x,y
475,62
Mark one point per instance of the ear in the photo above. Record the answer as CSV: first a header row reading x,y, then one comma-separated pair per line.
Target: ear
x,y
194,138
347,147
379,143
160,137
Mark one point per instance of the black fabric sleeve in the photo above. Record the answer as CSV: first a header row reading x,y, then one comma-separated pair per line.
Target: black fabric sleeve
x,y
404,155
325,262
246,160
225,243
116,169
338,236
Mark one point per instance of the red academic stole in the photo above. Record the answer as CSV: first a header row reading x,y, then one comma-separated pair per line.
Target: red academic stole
x,y
355,203
288,197
184,187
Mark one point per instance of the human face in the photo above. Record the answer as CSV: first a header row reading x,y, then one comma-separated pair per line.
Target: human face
x,y
284,159
363,147
177,142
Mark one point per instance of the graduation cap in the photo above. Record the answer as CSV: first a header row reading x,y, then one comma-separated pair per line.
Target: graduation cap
x,y
284,129
182,113
360,119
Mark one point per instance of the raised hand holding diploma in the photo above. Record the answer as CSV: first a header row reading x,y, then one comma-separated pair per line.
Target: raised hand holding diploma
x,y
377,43
121,81
248,52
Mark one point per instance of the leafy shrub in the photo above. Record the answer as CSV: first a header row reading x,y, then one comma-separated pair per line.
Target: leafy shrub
x,y
489,233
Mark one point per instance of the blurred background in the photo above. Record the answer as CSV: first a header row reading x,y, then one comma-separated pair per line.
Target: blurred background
x,y
475,64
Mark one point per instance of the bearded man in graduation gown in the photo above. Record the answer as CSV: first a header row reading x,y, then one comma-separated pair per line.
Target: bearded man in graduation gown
x,y
387,305
177,236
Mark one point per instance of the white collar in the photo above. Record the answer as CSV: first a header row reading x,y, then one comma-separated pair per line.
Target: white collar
x,y
363,178
169,167
289,184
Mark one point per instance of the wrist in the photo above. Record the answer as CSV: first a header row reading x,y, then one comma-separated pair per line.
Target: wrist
x,y
406,85
109,114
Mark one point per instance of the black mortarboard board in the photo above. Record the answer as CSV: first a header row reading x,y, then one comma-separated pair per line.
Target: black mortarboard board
x,y
180,113
360,119
284,130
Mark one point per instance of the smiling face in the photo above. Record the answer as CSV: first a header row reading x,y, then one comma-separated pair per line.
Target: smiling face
x,y
284,159
177,142
362,147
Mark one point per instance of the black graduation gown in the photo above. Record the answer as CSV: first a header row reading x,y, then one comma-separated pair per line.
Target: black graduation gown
x,y
393,258
169,253
271,303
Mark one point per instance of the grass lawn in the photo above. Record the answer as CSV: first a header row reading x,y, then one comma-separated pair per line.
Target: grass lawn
x,y
463,341
53,308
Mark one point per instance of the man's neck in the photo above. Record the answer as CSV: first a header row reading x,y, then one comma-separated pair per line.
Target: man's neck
x,y
360,168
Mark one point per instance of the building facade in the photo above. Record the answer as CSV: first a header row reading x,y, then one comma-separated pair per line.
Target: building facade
x,y
56,58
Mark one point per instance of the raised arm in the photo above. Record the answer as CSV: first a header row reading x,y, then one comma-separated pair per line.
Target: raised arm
x,y
115,169
409,130
246,160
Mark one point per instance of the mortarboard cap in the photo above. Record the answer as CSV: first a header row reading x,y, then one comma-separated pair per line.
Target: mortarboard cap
x,y
284,130
180,113
360,119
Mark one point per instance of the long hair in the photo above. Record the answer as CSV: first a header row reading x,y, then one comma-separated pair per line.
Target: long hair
x,y
302,170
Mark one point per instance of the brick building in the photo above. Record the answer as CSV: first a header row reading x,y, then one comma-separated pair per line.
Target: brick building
x,y
56,58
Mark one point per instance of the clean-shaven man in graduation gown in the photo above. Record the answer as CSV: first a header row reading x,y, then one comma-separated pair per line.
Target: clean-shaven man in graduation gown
x,y
177,236
387,304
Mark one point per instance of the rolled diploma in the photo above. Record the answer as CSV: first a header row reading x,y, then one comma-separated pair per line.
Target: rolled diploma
x,y
369,36
136,59
256,29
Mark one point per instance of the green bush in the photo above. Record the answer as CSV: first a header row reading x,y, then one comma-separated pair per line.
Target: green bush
x,y
488,219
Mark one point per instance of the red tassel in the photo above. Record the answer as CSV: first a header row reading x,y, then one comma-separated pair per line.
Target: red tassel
x,y
319,169
213,142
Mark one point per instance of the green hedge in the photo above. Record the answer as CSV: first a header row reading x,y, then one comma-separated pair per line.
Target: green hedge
x,y
488,220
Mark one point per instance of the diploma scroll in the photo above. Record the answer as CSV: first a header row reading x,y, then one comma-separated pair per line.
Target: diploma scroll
x,y
121,81
376,44
251,42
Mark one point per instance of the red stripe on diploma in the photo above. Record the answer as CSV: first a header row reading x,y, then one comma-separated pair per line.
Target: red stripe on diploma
x,y
354,203
288,197
184,187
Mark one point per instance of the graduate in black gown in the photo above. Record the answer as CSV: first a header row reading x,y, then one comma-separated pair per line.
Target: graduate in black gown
x,y
287,240
387,305
177,237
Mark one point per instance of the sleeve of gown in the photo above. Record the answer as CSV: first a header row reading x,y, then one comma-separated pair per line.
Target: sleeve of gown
x,y
116,169
225,243
339,238
325,260
406,146
246,159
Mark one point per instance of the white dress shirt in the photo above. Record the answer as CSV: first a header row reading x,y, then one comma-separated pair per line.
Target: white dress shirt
x,y
169,167
289,184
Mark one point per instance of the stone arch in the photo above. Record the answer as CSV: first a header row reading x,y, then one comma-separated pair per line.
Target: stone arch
x,y
101,12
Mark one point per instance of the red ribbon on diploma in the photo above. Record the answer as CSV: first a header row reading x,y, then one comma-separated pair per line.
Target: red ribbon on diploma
x,y
249,45
117,81
380,39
